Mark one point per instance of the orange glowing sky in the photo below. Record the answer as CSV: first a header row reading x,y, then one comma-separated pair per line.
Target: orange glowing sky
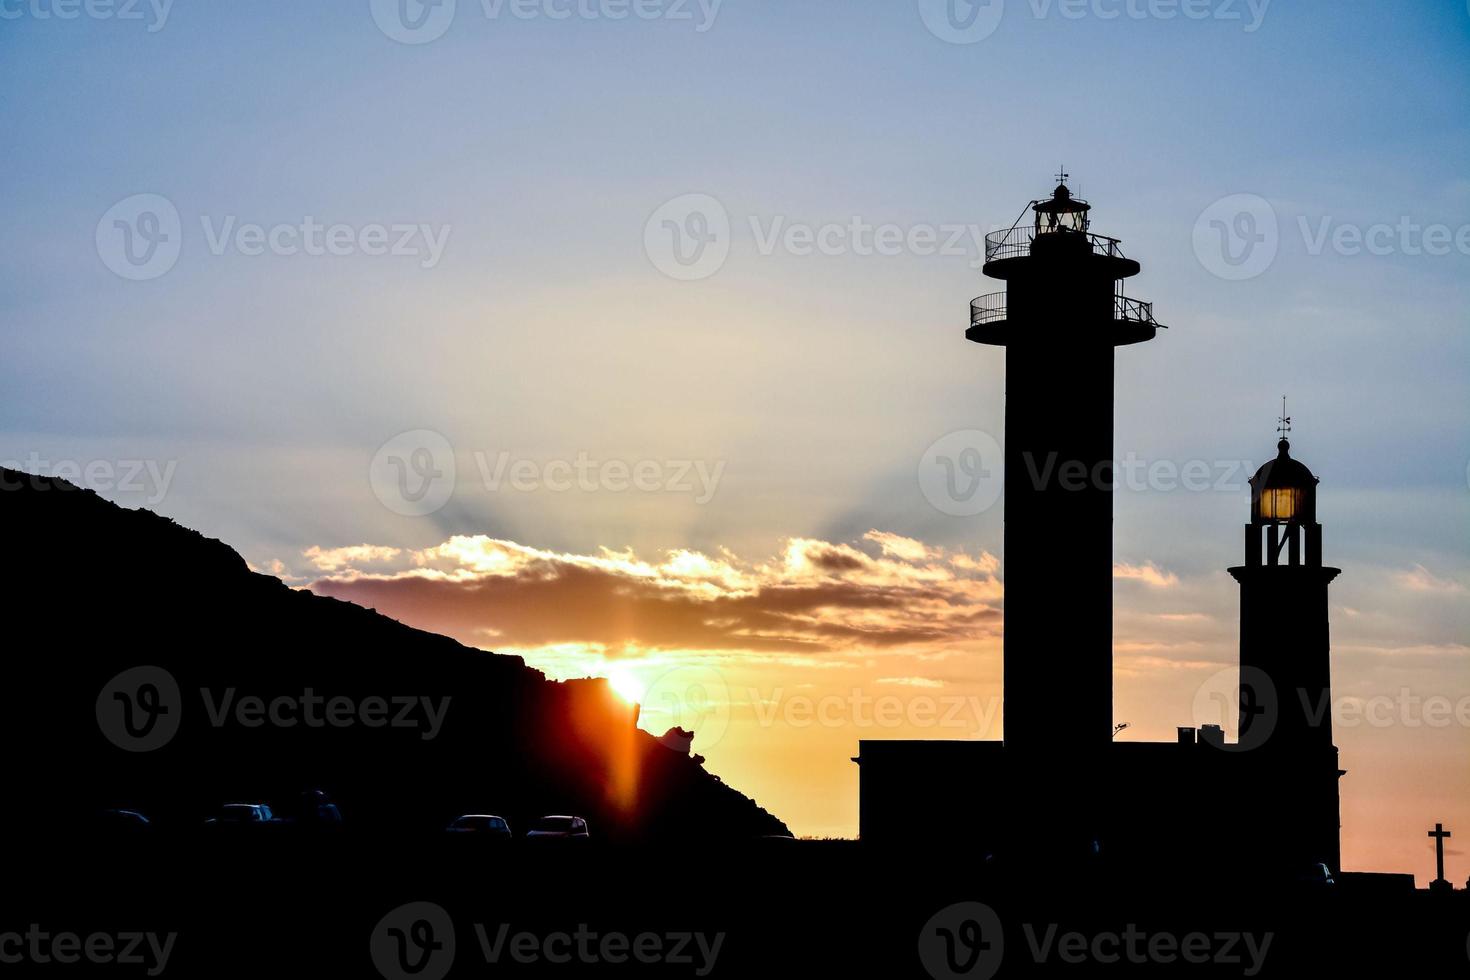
x,y
781,664
802,582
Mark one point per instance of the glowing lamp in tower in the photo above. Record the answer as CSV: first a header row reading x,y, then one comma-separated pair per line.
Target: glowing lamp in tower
x,y
1284,510
1063,213
1283,490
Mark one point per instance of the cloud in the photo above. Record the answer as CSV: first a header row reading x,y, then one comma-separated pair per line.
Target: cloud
x,y
911,681
336,559
882,593
1421,579
1148,573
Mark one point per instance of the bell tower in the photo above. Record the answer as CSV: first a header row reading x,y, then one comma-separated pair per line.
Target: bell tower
x,y
1285,673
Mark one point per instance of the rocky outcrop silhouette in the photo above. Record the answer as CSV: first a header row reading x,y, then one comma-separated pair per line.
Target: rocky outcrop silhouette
x,y
257,692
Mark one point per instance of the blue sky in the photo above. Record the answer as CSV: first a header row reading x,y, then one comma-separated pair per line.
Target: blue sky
x,y
539,148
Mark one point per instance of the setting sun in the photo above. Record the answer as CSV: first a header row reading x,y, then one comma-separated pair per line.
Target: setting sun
x,y
625,684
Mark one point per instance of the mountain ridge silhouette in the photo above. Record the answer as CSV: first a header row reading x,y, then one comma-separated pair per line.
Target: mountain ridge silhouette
x,y
97,589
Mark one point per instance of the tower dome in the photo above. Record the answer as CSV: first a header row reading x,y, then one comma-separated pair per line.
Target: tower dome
x,y
1284,490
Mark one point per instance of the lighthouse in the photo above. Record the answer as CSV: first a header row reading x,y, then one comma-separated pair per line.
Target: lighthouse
x,y
1058,793
1061,317
1285,668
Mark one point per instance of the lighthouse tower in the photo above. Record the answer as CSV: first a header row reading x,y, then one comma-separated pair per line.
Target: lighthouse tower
x,y
1060,318
1285,671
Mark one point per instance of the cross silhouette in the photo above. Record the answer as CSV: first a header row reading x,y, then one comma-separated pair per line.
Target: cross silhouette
x,y
1439,834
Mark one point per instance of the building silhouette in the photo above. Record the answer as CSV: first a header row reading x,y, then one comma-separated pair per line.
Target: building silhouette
x,y
1058,788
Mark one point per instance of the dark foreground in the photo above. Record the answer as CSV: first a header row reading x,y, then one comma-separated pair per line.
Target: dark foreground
x,y
341,906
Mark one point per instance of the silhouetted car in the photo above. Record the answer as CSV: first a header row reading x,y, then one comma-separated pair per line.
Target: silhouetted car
x,y
559,828
121,821
481,825
1315,876
315,810
242,814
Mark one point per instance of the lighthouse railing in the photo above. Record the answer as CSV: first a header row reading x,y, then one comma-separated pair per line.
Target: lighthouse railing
x,y
1016,242
1134,311
992,307
987,309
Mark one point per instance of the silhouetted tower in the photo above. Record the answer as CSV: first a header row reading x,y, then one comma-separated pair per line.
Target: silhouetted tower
x,y
1285,670
1060,318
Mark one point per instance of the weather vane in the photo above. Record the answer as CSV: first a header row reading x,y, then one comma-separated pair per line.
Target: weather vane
x,y
1063,176
1284,423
